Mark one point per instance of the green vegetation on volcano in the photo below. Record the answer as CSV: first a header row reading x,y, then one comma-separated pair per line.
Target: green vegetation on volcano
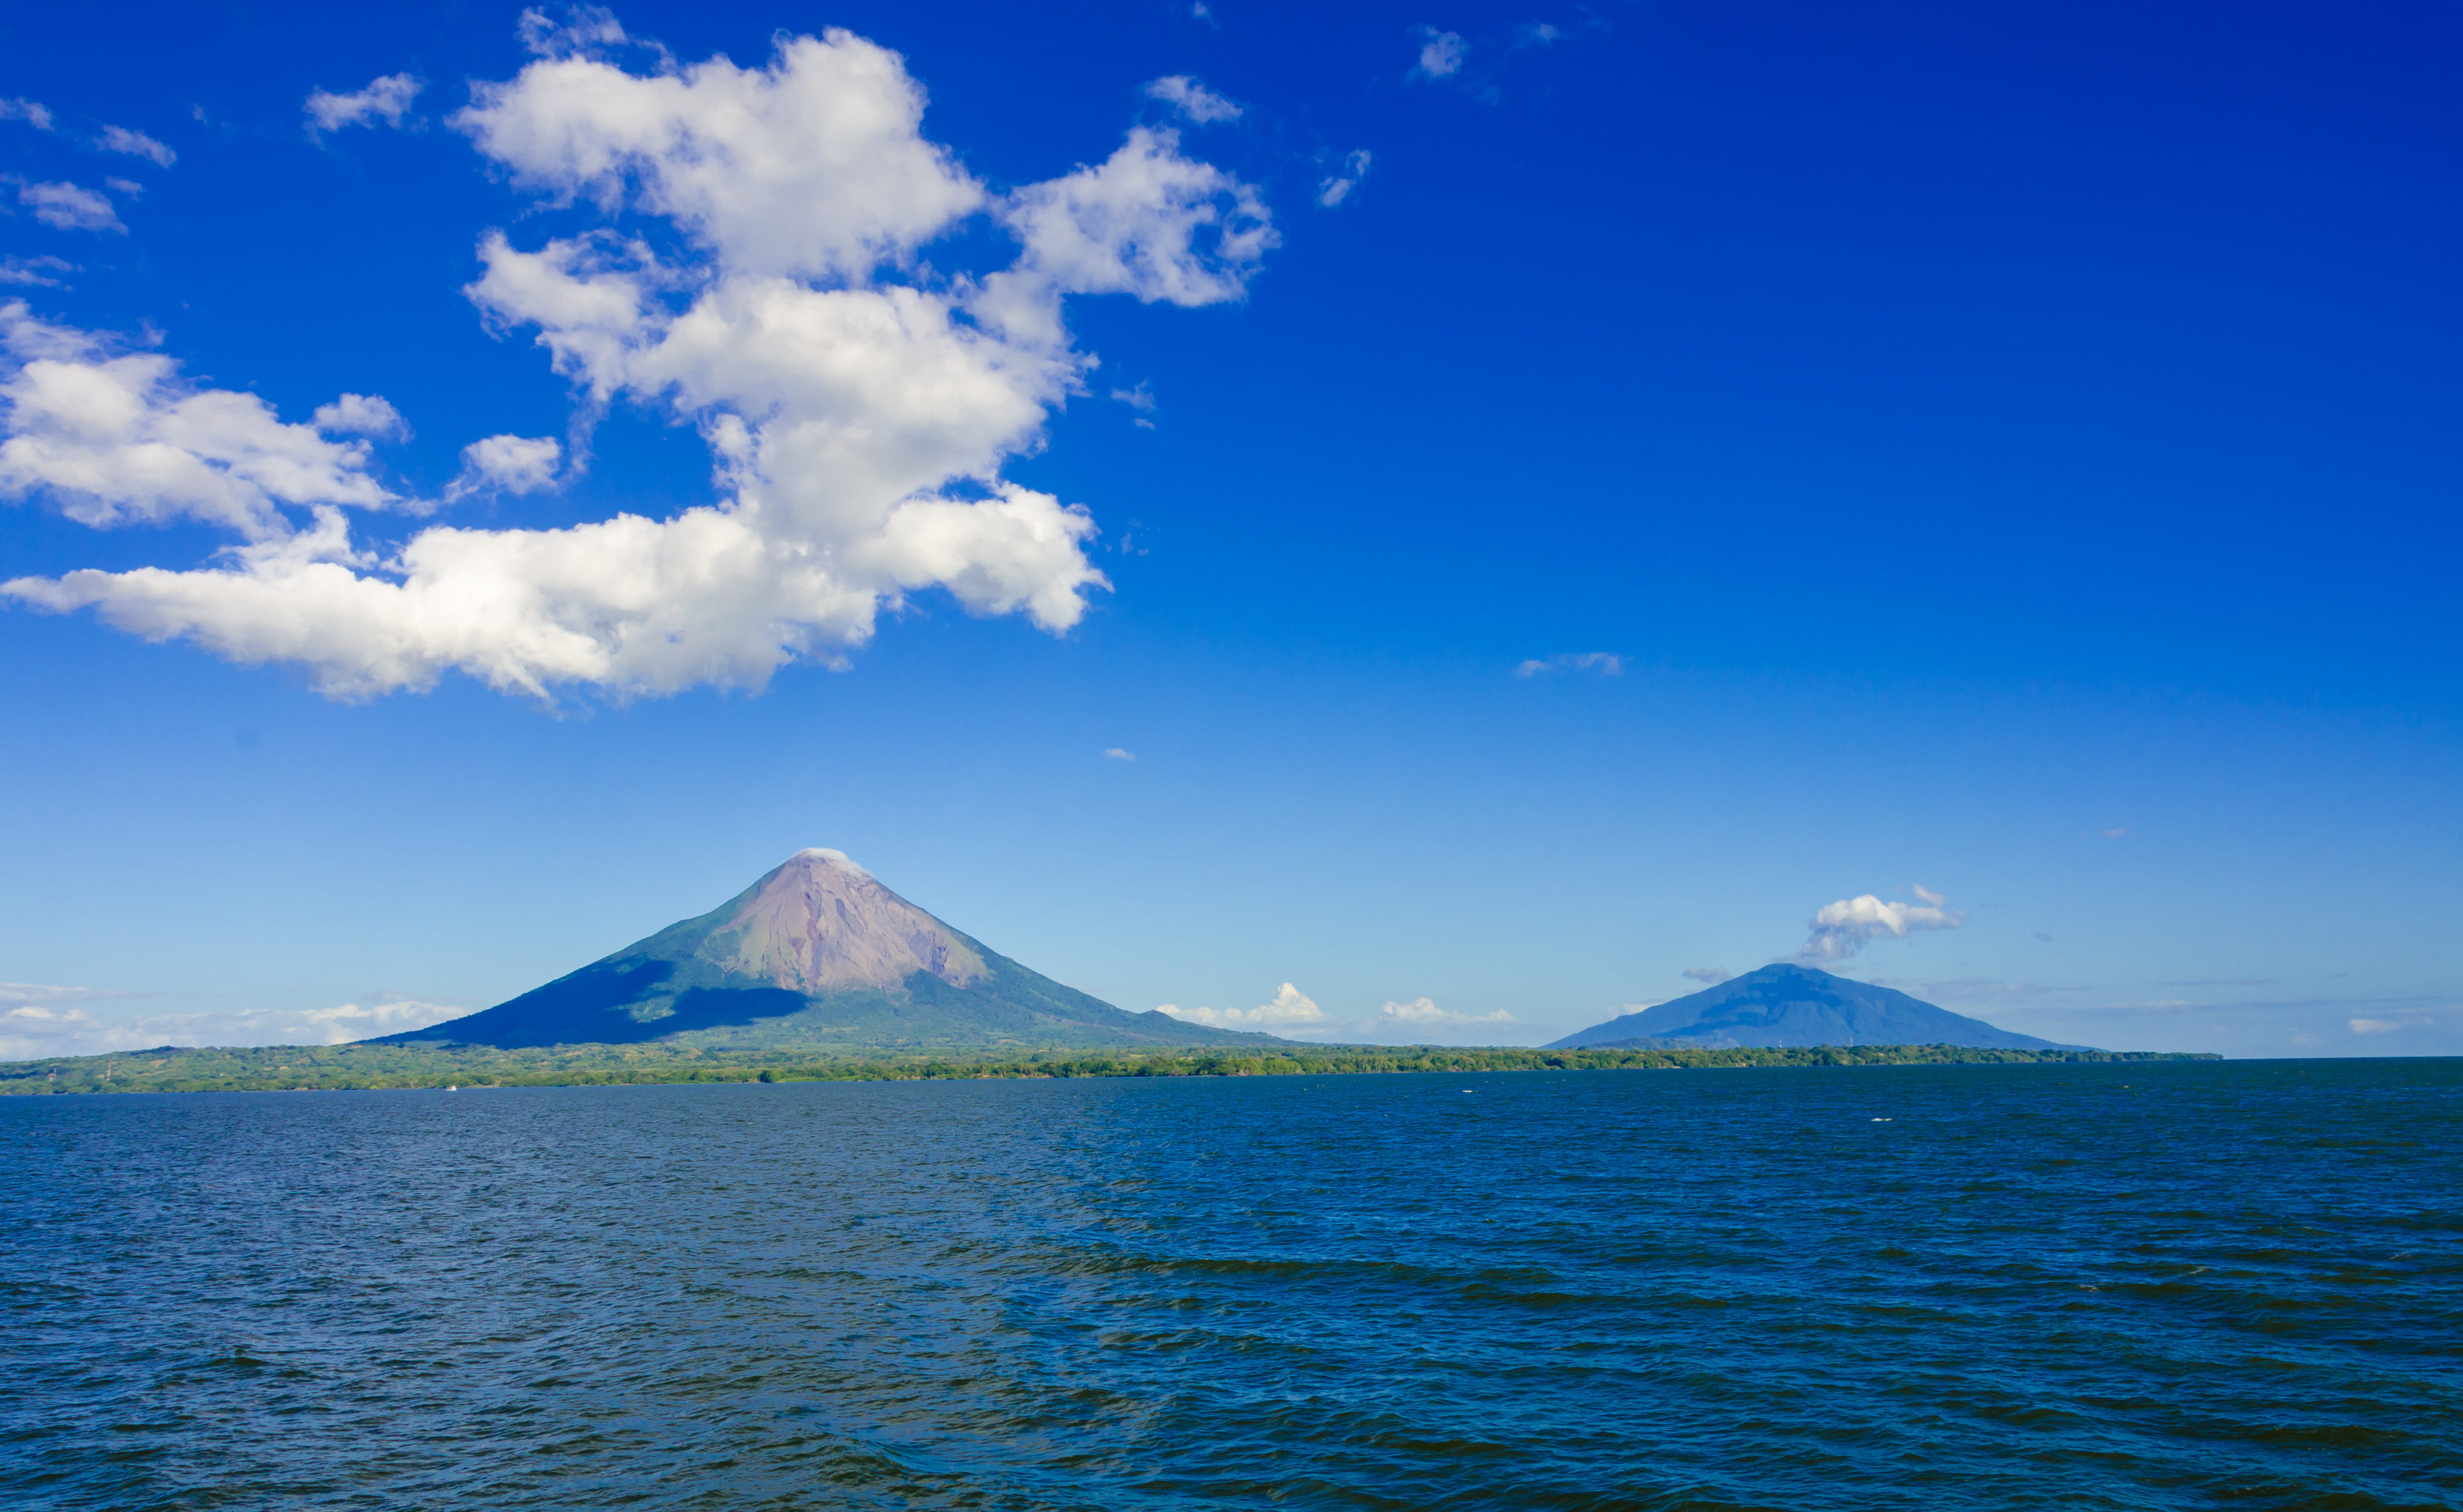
x,y
378,1067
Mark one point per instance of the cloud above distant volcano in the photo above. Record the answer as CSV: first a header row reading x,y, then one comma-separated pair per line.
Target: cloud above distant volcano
x,y
755,273
1841,929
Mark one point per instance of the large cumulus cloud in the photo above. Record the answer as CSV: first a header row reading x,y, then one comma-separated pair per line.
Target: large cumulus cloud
x,y
859,409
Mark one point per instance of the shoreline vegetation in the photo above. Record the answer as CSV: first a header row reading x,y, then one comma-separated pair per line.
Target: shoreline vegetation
x,y
392,1067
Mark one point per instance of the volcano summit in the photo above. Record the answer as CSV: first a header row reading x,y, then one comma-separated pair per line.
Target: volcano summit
x,y
818,955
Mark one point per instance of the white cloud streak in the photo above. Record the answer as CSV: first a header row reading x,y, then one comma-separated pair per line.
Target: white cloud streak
x,y
857,416
1424,1013
32,113
39,1032
1842,928
1192,100
385,100
70,207
1336,187
1291,1012
1603,663
136,144
35,272
1707,975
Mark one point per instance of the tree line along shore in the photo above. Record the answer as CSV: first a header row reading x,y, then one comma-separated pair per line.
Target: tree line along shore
x,y
355,1068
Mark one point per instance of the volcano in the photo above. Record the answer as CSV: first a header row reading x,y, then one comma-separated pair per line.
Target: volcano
x,y
1798,1006
818,955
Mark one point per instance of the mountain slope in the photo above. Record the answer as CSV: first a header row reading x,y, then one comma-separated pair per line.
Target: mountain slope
x,y
816,955
1798,1006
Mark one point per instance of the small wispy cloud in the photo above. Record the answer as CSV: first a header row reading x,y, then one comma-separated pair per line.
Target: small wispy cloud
x,y
35,272
1441,52
32,113
1140,398
1425,1012
37,1031
2114,833
69,207
1192,101
385,99
1115,753
1336,187
1842,928
1605,663
136,144
1707,975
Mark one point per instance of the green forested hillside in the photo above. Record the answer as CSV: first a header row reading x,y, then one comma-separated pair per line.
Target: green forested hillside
x,y
353,1068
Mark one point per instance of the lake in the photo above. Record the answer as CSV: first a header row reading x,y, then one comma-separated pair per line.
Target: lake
x,y
2149,1286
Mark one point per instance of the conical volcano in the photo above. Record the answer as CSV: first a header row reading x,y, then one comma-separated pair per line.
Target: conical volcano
x,y
818,955
1797,1006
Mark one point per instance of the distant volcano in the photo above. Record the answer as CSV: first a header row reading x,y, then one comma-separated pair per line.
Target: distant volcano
x,y
1798,1006
818,955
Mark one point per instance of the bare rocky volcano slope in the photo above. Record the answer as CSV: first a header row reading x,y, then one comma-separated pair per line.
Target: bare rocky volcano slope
x,y
816,955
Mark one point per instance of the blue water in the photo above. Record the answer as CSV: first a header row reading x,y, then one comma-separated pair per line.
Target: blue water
x,y
2144,1286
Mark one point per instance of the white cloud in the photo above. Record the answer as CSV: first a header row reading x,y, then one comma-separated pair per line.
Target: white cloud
x,y
811,167
1291,1012
2376,1026
70,207
1441,52
1145,221
1842,928
37,1031
1335,187
362,414
1140,398
1539,33
1192,100
507,464
385,99
1707,975
33,113
1598,662
1927,895
857,415
1116,753
120,438
1423,1012
35,272
136,144
585,29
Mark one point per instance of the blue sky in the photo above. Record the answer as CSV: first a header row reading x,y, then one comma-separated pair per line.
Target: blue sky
x,y
1536,501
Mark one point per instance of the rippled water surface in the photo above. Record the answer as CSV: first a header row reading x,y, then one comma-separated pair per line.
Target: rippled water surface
x,y
2144,1286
